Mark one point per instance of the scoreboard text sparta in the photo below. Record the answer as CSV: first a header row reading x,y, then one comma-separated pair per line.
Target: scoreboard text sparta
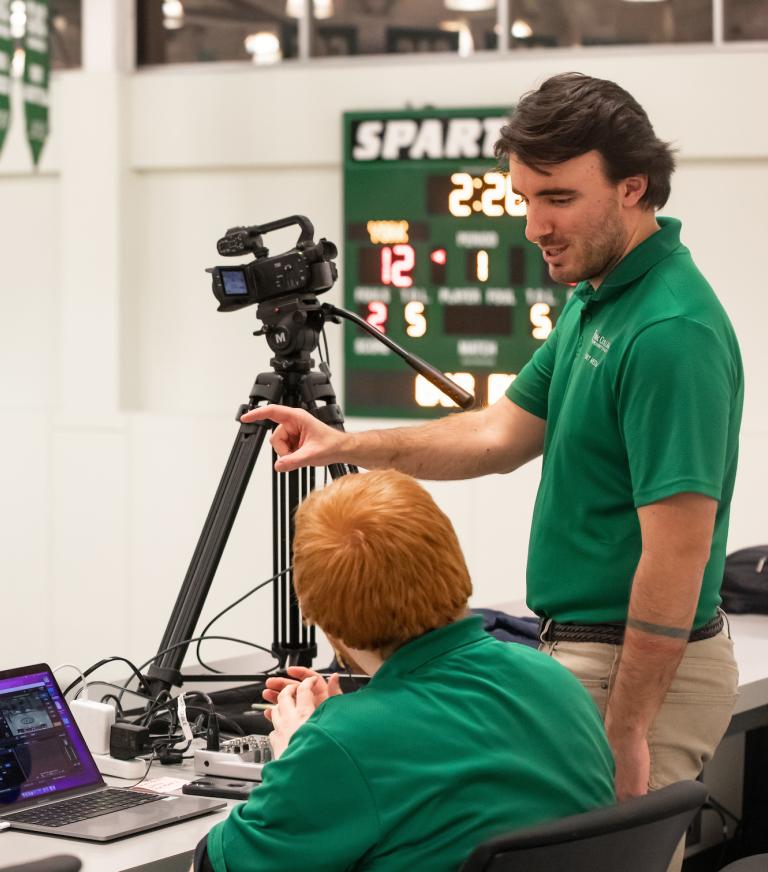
x,y
435,256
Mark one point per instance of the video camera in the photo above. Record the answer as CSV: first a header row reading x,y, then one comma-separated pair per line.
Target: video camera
x,y
308,267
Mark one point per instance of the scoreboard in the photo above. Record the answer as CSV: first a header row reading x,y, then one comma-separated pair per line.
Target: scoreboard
x,y
436,258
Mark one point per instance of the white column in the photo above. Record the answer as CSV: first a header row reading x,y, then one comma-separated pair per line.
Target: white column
x,y
93,165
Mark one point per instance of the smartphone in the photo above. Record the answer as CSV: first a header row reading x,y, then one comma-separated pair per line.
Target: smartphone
x,y
224,788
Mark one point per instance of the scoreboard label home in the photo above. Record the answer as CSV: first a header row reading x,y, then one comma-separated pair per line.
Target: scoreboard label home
x,y
435,256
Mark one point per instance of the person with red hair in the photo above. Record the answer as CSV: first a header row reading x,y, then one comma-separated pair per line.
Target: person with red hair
x,y
457,736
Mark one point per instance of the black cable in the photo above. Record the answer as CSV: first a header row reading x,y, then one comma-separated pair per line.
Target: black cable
x,y
212,727
195,638
224,611
146,771
718,806
721,811
121,687
91,669
229,725
325,342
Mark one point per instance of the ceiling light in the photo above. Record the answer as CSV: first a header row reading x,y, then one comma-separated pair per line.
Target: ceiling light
x,y
17,64
521,29
323,8
466,42
173,14
18,19
264,47
320,8
470,5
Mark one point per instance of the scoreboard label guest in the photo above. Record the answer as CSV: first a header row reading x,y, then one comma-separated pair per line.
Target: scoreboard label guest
x,y
436,257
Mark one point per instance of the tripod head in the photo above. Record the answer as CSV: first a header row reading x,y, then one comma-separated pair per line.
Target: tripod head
x,y
292,327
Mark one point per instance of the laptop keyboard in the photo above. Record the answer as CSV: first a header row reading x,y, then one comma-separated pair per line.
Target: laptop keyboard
x,y
80,808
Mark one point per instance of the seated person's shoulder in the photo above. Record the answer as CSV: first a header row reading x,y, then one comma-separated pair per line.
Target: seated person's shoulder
x,y
525,666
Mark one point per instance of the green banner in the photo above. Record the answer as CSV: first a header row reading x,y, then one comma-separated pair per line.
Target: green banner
x,y
37,67
6,56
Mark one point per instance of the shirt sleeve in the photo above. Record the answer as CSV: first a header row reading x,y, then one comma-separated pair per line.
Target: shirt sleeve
x,y
530,389
313,809
675,393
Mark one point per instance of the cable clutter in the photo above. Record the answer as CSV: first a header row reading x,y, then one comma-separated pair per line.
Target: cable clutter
x,y
126,740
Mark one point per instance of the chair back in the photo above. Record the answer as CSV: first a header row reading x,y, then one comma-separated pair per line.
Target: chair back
x,y
639,835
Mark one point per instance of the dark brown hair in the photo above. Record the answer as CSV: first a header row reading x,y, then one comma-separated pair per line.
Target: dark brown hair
x,y
376,563
572,114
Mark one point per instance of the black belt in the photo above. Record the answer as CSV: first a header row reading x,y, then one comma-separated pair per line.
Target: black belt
x,y
612,634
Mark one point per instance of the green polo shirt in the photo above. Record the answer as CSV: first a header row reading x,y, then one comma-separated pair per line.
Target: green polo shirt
x,y
457,737
641,386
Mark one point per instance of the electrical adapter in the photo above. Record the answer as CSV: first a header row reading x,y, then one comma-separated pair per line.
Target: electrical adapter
x,y
95,720
127,741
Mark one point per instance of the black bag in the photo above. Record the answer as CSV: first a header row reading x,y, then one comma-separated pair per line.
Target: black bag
x,y
745,581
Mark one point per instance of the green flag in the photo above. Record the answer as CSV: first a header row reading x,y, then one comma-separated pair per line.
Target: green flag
x,y
6,56
37,66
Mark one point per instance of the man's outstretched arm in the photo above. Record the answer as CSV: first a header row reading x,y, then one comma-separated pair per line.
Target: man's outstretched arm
x,y
499,438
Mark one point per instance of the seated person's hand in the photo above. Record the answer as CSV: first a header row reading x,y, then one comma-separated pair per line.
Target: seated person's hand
x,y
322,689
295,704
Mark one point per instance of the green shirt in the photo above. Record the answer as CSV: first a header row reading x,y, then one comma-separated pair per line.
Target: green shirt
x,y
457,737
641,385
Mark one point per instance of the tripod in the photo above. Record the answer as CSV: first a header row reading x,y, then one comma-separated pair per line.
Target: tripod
x,y
293,325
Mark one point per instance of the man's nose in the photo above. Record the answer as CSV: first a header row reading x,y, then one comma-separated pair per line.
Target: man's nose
x,y
537,224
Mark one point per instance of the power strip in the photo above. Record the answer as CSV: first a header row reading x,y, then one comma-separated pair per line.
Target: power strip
x,y
243,757
133,769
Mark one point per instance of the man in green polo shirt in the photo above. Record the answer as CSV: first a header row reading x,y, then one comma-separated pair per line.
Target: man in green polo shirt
x,y
456,738
635,402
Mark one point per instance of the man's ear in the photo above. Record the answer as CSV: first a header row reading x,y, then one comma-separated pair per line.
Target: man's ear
x,y
633,189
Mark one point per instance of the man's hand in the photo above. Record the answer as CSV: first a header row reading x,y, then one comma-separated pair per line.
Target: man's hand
x,y
633,765
295,705
300,439
320,688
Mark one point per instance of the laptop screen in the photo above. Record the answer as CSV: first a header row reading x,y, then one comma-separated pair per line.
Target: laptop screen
x,y
41,750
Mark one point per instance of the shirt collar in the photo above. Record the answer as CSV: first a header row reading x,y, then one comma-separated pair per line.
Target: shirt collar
x,y
641,259
432,645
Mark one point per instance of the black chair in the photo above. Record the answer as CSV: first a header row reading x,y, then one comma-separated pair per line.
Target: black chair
x,y
755,863
59,863
639,835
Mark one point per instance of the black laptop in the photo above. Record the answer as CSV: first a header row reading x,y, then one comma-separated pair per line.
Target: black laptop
x,y
49,782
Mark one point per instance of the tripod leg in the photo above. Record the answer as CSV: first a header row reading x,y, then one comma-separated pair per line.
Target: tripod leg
x,y
165,671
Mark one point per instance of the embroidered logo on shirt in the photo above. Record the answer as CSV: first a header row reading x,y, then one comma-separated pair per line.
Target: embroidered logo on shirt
x,y
602,344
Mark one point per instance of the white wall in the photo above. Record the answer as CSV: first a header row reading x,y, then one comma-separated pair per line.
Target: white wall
x,y
120,381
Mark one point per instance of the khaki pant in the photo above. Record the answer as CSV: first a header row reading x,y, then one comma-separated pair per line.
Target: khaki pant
x,y
694,715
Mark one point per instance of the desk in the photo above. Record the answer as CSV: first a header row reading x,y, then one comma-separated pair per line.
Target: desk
x,y
750,642
123,854
750,635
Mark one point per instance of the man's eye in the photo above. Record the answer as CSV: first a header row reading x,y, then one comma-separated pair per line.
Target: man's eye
x,y
561,201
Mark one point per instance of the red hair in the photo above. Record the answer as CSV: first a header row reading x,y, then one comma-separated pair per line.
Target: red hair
x,y
376,562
